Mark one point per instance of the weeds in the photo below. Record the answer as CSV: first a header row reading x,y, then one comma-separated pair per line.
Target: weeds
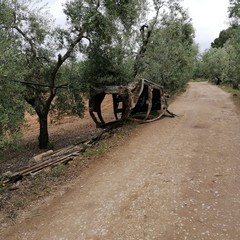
x,y
20,203
96,151
12,215
58,170
235,92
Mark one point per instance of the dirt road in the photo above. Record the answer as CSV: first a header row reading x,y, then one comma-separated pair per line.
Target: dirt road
x,y
174,179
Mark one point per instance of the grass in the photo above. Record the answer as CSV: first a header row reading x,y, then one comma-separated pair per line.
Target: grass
x,y
96,151
235,95
20,203
58,170
235,92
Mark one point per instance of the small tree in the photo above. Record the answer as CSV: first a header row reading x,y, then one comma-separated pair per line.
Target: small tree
x,y
215,63
45,49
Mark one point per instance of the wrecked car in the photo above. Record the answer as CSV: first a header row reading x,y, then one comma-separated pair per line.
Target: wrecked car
x,y
144,101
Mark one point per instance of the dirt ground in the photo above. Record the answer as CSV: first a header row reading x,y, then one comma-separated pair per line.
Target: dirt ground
x,y
62,133
173,179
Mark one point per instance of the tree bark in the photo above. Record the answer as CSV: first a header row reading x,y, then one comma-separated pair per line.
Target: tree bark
x,y
218,80
235,85
43,134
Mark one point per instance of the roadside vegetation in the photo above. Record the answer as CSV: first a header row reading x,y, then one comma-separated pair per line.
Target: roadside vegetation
x,y
221,62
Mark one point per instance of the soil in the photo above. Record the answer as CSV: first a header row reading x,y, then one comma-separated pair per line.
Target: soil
x,y
177,178
62,132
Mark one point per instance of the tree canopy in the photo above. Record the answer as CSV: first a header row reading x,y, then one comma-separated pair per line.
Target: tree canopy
x,y
224,36
234,12
11,103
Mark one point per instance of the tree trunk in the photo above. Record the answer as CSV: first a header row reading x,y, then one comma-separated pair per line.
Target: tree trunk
x,y
42,108
235,85
43,135
218,81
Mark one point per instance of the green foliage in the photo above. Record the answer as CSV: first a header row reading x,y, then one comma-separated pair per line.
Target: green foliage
x,y
171,54
11,102
104,32
58,170
221,63
234,12
214,65
107,66
69,99
110,32
11,112
233,66
224,36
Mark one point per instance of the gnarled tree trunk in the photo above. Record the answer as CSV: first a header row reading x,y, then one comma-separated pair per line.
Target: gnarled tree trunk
x,y
43,133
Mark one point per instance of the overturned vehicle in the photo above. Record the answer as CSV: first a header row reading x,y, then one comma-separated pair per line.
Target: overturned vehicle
x,y
143,101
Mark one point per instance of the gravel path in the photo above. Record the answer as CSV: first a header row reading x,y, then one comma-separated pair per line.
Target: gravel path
x,y
174,179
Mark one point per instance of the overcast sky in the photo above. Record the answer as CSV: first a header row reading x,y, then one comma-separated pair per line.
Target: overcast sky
x,y
209,17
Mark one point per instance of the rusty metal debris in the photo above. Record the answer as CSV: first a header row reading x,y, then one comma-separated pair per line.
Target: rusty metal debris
x,y
144,101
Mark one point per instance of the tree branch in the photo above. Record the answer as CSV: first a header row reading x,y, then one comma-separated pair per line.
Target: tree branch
x,y
42,85
29,40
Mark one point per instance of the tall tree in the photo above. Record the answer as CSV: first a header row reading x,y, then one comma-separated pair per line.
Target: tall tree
x,y
108,58
38,47
168,50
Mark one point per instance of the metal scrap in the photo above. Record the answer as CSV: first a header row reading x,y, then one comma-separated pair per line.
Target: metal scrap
x,y
144,101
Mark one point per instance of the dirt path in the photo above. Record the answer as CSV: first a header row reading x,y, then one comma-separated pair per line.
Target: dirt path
x,y
174,179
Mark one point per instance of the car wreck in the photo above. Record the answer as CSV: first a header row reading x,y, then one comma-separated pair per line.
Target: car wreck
x,y
144,101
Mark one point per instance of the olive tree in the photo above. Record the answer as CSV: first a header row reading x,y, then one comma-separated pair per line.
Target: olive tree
x,y
39,45
45,49
232,48
215,65
171,51
110,57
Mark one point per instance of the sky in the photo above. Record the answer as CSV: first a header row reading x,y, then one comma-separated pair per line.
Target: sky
x,y
209,17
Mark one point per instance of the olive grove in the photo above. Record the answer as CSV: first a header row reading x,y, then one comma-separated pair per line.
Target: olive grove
x,y
118,41
221,62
